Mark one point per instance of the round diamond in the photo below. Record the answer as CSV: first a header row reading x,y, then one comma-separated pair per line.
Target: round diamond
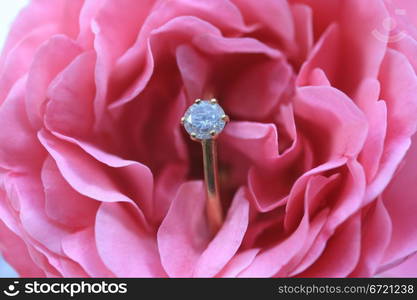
x,y
204,119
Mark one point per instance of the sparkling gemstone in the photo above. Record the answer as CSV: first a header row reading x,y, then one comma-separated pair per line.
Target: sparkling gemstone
x,y
203,119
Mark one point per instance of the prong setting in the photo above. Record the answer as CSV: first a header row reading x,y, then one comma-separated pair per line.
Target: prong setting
x,y
204,120
226,118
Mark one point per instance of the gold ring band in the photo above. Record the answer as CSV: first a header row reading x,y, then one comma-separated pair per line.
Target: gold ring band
x,y
203,121
211,176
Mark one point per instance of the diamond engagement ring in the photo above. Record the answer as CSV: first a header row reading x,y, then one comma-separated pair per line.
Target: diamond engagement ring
x,y
203,121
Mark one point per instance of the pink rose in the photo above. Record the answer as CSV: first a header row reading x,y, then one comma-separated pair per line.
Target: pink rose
x,y
97,177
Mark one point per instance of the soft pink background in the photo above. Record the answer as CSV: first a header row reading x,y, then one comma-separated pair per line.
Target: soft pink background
x,y
317,166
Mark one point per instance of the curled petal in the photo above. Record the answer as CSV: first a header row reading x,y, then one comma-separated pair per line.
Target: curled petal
x,y
119,230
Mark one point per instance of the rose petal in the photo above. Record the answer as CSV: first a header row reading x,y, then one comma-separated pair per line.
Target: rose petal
x,y
44,261
319,77
29,194
15,252
375,236
140,59
194,69
346,240
351,196
254,141
17,135
269,261
238,263
227,241
68,94
166,185
334,115
11,219
348,44
270,180
81,247
182,240
408,47
272,17
88,11
256,91
62,203
89,177
53,56
347,203
322,56
307,255
309,190
376,113
111,19
33,26
400,201
399,91
304,36
406,269
119,230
